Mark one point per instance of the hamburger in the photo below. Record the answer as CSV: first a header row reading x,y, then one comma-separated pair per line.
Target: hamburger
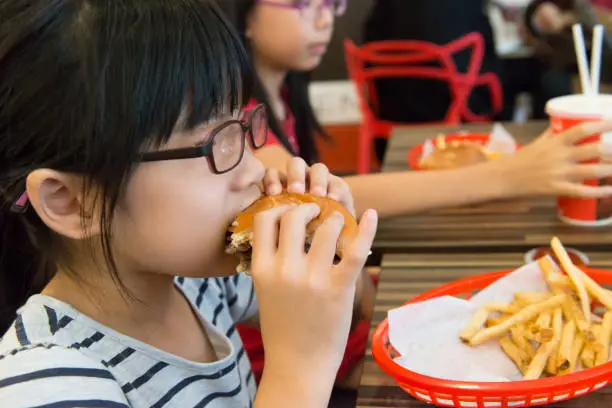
x,y
239,238
455,154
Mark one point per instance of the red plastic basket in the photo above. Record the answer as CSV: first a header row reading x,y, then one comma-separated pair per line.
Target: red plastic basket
x,y
414,155
478,394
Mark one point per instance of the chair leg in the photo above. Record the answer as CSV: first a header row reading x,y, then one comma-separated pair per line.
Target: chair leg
x,y
364,153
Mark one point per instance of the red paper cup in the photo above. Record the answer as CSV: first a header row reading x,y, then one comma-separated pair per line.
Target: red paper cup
x,y
566,112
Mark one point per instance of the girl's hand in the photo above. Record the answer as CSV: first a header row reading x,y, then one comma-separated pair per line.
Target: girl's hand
x,y
299,178
305,301
551,165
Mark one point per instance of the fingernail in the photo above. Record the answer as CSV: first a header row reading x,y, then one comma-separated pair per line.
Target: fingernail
x,y
320,191
333,196
316,210
274,189
605,147
296,186
371,214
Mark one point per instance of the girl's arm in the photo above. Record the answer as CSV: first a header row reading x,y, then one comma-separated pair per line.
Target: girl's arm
x,y
548,166
393,194
406,192
300,387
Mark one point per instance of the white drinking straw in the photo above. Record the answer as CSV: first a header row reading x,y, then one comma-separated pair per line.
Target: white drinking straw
x,y
583,65
598,33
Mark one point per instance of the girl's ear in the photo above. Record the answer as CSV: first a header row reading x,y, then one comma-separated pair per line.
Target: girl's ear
x,y
59,200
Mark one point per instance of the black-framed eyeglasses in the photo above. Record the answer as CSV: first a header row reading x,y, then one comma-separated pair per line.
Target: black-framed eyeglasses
x,y
226,145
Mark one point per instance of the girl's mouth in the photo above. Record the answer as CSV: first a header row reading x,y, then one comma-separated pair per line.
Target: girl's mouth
x,y
318,48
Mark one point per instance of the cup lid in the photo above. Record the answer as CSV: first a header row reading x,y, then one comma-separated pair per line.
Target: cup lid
x,y
581,105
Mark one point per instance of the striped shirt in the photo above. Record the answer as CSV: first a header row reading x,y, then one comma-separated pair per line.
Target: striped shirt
x,y
55,357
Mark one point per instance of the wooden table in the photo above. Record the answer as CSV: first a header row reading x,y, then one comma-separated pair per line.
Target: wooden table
x,y
405,276
513,225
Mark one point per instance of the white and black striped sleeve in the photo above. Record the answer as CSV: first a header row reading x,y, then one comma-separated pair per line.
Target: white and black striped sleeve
x,y
241,298
55,377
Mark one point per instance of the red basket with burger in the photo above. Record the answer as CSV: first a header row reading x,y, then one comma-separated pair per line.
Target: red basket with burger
x,y
557,339
461,149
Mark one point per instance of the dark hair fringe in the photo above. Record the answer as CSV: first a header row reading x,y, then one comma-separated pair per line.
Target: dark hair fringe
x,y
104,80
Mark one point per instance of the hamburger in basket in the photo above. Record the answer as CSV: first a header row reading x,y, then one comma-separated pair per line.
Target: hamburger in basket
x,y
240,232
455,154
462,150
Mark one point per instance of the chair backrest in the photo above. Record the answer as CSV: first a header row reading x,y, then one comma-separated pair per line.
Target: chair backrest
x,y
416,59
412,58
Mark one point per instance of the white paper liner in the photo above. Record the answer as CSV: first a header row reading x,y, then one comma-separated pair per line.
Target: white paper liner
x,y
500,140
426,334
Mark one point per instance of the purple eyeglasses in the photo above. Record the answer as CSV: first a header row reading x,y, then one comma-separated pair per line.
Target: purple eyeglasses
x,y
310,8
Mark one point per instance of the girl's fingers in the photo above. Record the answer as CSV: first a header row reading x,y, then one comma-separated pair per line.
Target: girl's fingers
x,y
265,232
319,178
273,182
587,151
339,191
296,176
292,235
584,191
584,130
591,171
355,256
323,248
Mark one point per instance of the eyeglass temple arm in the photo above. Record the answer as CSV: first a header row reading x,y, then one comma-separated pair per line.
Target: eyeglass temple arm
x,y
185,153
275,4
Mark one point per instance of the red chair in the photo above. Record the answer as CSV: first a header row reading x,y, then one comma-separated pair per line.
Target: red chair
x,y
402,59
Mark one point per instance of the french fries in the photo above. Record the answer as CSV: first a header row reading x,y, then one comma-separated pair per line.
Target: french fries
x,y
564,358
531,298
599,293
575,275
528,313
574,313
603,355
537,365
588,354
553,332
543,336
551,367
494,321
575,355
518,337
515,353
472,329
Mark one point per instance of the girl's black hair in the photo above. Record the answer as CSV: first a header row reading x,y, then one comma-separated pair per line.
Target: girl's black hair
x,y
296,86
85,86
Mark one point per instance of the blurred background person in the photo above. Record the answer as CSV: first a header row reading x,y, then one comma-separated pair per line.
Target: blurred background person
x,y
549,25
